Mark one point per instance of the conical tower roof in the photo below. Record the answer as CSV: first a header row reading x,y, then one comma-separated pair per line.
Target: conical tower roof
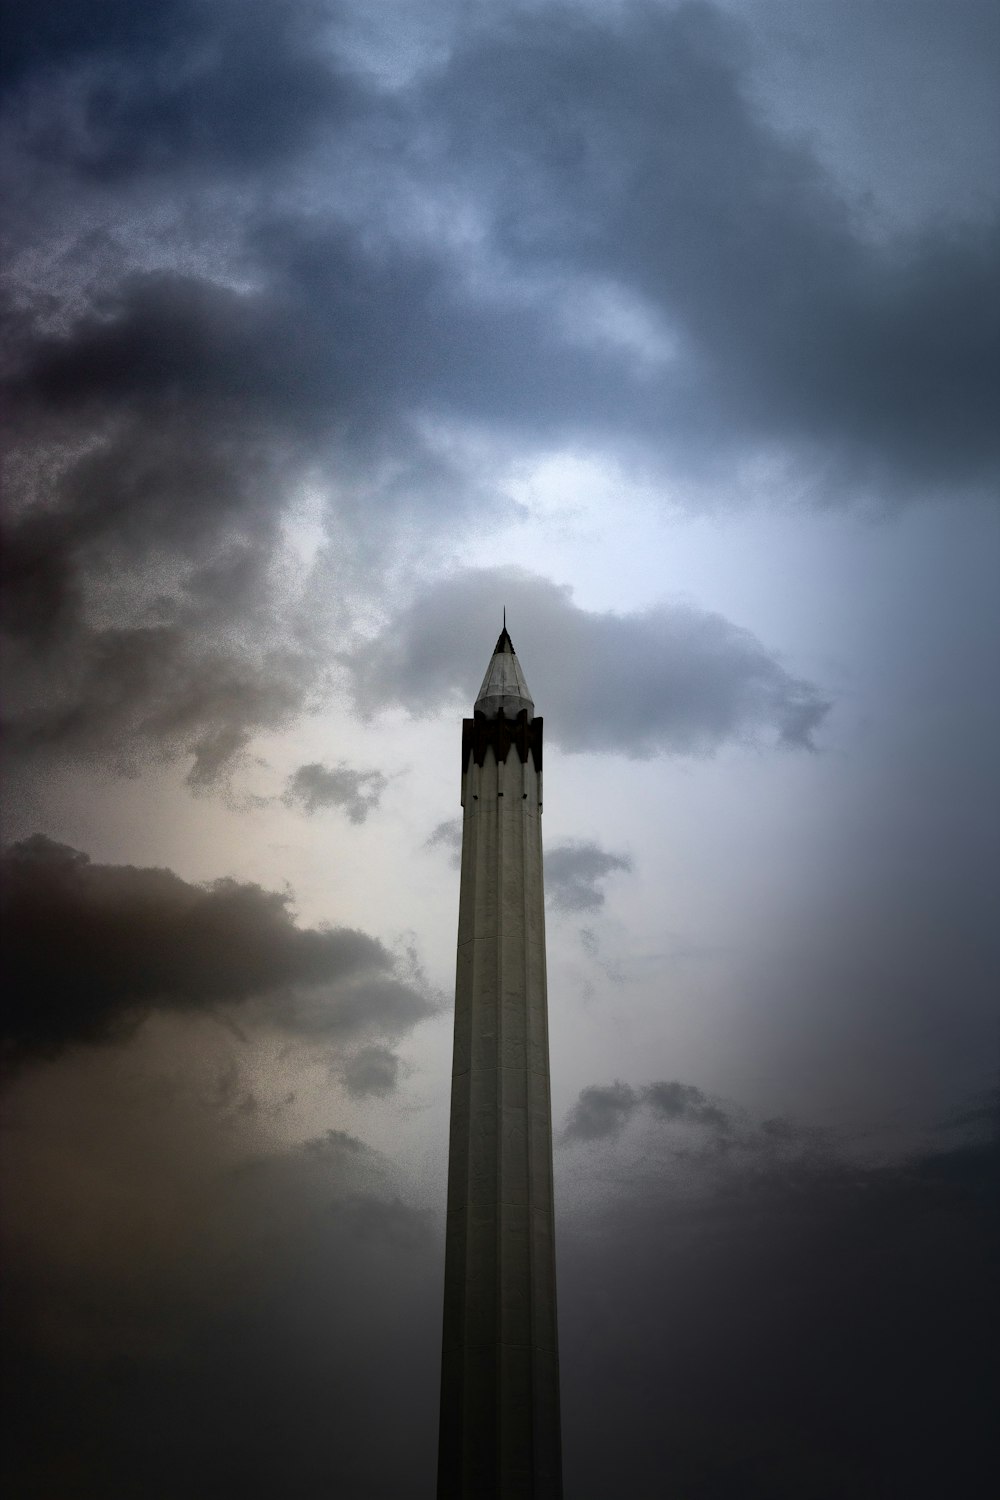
x,y
504,686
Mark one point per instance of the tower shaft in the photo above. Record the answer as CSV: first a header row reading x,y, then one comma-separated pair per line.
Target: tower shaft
x,y
500,1380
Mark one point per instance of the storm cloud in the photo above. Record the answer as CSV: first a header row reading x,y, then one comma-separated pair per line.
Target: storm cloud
x,y
623,150
90,949
659,274
610,161
328,331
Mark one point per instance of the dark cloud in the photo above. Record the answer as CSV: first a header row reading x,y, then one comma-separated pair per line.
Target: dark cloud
x,y
682,1101
282,1303
602,1110
151,693
371,1071
149,609
183,87
574,873
90,949
153,606
780,1321
357,792
776,1318
258,254
332,333
660,275
625,148
43,38
671,679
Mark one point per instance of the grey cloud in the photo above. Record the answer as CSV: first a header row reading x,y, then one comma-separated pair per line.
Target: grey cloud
x,y
772,1320
290,1301
933,75
90,949
671,679
153,692
600,1111
448,835
147,614
357,792
372,1070
375,1001
169,403
592,147
300,350
38,37
334,1143
150,602
682,1101
626,148
981,1114
777,1261
389,1224
782,1268
574,872
243,89
815,1305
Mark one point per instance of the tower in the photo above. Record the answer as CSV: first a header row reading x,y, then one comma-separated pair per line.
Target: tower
x,y
500,1371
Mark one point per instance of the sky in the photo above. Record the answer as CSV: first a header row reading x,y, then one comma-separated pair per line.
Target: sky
x,y
331,331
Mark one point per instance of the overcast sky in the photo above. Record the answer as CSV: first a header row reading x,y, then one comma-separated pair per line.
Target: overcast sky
x,y
331,330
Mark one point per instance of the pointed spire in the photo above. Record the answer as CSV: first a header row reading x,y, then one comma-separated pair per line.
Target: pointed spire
x,y
504,686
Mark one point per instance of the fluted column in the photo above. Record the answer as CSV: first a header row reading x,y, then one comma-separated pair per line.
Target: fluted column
x,y
500,1381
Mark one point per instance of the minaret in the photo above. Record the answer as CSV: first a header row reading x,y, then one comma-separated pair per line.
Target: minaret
x,y
500,1368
